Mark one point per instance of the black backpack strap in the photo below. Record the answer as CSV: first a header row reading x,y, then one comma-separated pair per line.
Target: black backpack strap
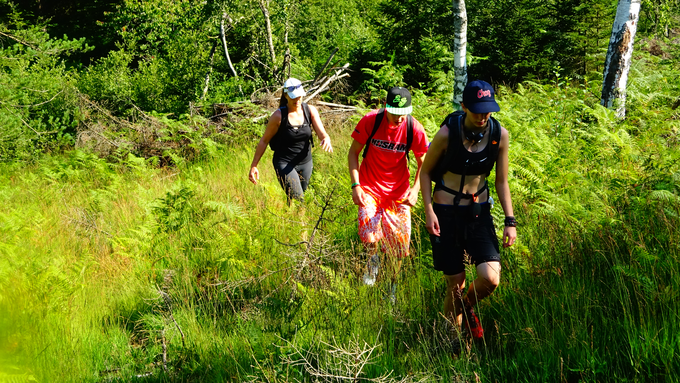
x,y
284,116
494,139
308,119
454,122
378,119
409,134
273,143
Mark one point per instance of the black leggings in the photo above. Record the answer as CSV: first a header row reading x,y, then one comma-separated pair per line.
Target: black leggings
x,y
294,178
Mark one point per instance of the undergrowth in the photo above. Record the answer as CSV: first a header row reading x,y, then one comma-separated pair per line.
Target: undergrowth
x,y
127,270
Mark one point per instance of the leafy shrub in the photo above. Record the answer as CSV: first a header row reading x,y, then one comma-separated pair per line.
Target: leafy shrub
x,y
38,100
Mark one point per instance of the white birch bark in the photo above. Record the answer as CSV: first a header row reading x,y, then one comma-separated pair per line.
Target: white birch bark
x,y
210,69
268,30
459,51
224,44
617,63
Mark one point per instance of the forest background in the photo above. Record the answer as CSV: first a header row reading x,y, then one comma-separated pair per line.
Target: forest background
x,y
133,248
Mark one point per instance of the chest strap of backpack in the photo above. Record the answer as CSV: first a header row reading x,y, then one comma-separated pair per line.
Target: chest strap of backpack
x,y
378,120
458,194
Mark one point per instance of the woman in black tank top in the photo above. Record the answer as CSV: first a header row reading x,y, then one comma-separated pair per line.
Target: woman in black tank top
x,y
458,214
289,134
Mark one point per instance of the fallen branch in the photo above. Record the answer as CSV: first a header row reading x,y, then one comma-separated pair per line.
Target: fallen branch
x,y
336,105
332,78
325,65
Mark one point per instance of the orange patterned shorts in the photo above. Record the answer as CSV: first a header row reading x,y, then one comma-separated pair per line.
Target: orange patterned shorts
x,y
393,223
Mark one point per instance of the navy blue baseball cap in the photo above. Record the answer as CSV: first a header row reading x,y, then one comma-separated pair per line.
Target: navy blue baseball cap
x,y
478,97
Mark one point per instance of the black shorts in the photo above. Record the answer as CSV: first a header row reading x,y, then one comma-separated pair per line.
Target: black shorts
x,y
460,232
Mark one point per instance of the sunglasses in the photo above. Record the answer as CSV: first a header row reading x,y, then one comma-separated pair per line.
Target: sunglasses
x,y
291,89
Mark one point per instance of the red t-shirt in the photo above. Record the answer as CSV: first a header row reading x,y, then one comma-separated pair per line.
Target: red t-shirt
x,y
384,172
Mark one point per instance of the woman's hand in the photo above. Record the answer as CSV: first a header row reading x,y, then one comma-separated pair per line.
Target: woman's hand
x,y
254,175
326,144
432,222
509,236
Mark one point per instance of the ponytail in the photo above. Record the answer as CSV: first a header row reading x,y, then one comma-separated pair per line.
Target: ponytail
x,y
283,101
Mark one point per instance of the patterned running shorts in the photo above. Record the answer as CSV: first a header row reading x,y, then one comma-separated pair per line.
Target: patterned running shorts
x,y
392,223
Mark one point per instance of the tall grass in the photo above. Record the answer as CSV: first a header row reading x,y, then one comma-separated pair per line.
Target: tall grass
x,y
130,272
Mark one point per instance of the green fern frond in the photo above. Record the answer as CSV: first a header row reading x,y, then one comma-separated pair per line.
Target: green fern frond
x,y
663,195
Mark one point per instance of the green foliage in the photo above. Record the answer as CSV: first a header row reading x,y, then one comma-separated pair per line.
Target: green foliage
x,y
659,17
387,75
151,252
414,33
37,96
318,27
108,266
527,39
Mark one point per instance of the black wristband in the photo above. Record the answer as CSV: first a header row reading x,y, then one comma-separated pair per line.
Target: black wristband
x,y
510,221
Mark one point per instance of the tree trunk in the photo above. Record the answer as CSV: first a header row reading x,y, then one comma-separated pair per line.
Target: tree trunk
x,y
224,44
210,68
460,49
268,30
619,54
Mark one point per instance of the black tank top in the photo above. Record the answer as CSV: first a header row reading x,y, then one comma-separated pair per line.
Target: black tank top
x,y
466,162
293,142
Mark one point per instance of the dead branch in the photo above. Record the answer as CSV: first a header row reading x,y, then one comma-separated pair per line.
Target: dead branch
x,y
17,40
258,118
167,300
292,244
325,65
334,77
337,363
336,105
165,351
33,105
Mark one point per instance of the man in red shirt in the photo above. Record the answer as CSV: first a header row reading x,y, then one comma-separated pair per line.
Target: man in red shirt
x,y
381,185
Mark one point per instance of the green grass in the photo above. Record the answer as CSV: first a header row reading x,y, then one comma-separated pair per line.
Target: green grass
x,y
107,267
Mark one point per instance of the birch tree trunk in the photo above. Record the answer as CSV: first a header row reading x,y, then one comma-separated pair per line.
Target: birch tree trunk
x,y
224,44
617,63
268,30
459,50
210,69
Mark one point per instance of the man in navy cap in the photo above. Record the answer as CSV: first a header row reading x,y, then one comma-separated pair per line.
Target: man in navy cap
x,y
459,160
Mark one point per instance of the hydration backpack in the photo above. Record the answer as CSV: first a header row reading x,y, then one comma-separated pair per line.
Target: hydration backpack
x,y
455,121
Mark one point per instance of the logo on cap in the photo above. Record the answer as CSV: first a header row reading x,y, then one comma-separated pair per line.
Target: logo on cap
x,y
400,101
483,93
